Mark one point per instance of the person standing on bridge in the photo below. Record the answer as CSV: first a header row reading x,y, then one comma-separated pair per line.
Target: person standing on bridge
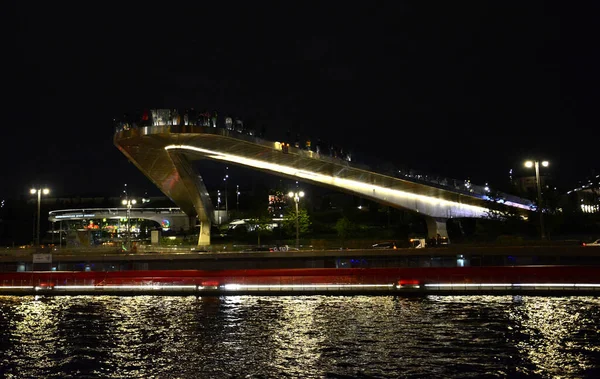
x,y
176,117
239,125
214,119
205,119
192,116
145,118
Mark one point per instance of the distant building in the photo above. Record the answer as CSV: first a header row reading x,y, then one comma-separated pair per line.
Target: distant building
x,y
277,203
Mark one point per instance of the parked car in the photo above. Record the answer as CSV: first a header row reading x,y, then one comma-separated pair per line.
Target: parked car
x,y
385,245
199,250
439,241
595,243
258,248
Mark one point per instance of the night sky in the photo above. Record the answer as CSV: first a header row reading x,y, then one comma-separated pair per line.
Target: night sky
x,y
465,90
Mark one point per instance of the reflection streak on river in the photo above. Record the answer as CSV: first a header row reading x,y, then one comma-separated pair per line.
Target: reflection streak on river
x,y
308,337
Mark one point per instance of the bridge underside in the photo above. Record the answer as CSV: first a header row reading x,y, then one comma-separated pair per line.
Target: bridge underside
x,y
165,155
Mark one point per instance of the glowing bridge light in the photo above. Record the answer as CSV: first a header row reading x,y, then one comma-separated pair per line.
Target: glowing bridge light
x,y
16,287
76,287
513,285
335,181
401,285
154,286
233,287
441,285
240,287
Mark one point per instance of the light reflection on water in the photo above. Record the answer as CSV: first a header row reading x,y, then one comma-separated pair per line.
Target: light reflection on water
x,y
299,337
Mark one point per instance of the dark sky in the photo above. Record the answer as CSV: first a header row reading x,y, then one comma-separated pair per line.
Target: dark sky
x,y
467,89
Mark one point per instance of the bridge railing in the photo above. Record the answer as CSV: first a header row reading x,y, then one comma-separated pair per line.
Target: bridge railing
x,y
462,186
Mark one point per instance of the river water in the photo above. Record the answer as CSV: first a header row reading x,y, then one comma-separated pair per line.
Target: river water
x,y
300,337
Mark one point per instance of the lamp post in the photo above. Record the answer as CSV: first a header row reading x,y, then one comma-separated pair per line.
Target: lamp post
x,y
39,192
128,202
536,165
237,200
296,196
219,206
225,180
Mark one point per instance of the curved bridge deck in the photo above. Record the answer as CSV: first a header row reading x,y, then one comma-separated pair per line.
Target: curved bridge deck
x,y
165,155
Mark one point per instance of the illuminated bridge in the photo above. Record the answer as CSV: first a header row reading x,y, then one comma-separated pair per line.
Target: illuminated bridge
x,y
164,153
167,218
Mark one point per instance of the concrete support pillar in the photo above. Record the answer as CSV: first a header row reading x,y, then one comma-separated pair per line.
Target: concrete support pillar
x,y
435,226
204,234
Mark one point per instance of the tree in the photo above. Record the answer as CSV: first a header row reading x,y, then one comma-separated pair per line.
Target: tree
x,y
262,224
289,221
345,228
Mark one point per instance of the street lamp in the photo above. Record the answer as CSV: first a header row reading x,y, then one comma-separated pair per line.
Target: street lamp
x,y
296,196
39,192
237,194
225,180
128,202
536,164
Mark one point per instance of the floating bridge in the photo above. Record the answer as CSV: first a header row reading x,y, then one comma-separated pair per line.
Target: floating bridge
x,y
165,154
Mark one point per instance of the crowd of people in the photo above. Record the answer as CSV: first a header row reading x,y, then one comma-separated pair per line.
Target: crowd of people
x,y
320,148
193,117
182,117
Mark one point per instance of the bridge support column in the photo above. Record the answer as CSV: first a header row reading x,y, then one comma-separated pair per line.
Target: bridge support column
x,y
204,233
435,226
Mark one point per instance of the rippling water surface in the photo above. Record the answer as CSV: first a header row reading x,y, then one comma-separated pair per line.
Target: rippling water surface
x,y
299,337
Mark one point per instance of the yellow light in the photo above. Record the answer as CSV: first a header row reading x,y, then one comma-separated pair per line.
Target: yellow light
x,y
301,194
124,202
32,191
291,194
133,201
46,191
529,164
334,181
